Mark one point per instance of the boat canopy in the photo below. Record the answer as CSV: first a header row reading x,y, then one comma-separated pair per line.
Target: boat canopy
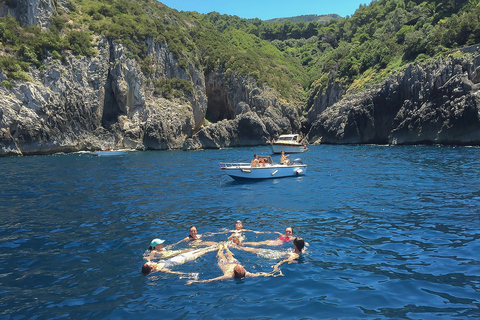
x,y
288,137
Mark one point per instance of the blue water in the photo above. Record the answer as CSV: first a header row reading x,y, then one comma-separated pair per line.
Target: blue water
x,y
393,233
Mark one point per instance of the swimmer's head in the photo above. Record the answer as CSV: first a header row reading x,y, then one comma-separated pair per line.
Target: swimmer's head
x,y
299,243
156,242
238,225
239,272
193,231
147,268
289,231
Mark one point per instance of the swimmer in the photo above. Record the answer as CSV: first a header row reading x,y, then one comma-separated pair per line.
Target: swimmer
x,y
287,236
238,232
298,245
264,253
231,267
166,265
157,250
194,237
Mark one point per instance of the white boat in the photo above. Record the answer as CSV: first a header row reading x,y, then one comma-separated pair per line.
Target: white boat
x,y
107,153
290,143
267,169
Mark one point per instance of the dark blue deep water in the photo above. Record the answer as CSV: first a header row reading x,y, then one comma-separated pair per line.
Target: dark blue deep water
x,y
394,233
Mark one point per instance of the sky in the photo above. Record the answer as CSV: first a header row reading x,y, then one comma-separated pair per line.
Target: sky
x,y
268,9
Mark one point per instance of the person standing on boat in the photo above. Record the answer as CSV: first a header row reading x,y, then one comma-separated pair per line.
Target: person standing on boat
x,y
255,162
232,268
283,159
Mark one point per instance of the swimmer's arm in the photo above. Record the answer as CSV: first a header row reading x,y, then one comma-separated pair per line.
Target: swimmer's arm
x,y
260,274
208,280
208,234
289,259
174,272
254,243
256,232
173,245
245,248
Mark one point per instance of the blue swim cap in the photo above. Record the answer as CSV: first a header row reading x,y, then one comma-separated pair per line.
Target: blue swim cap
x,y
156,241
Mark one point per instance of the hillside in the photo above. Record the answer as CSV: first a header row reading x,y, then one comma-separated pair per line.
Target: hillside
x,y
307,18
156,78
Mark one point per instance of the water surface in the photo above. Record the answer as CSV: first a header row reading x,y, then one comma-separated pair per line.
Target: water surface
x,y
393,233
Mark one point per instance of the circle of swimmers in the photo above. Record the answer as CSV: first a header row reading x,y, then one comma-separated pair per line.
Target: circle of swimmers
x,y
227,263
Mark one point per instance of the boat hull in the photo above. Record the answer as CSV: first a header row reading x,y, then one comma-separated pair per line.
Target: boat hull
x,y
268,172
288,148
110,153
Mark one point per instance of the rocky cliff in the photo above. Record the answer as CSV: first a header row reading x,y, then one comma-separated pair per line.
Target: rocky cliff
x,y
81,103
436,102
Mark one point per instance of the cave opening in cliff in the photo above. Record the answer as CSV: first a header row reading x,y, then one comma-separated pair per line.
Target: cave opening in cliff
x,y
218,107
111,109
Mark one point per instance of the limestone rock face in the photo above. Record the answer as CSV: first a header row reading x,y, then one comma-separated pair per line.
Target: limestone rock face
x,y
432,103
28,12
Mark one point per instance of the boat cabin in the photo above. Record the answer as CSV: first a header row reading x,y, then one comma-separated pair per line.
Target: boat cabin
x,y
289,138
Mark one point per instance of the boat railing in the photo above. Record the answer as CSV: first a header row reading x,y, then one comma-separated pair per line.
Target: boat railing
x,y
224,165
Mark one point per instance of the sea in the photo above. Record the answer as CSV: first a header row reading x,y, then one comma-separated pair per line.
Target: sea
x,y
393,232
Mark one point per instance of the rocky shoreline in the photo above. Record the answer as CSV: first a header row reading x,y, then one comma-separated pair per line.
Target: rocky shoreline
x,y
82,103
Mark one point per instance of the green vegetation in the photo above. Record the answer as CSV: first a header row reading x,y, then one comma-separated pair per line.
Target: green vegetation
x,y
173,88
291,55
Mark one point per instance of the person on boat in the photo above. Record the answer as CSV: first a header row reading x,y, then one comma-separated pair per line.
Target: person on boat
x,y
283,159
166,265
255,162
298,245
231,267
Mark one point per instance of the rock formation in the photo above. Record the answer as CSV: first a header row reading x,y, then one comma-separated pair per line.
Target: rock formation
x,y
436,102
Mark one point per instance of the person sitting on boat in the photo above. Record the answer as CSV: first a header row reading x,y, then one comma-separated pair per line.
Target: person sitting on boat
x,y
255,162
166,265
232,268
283,159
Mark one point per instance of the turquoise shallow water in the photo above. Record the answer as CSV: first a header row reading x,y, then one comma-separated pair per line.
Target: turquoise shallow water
x,y
393,233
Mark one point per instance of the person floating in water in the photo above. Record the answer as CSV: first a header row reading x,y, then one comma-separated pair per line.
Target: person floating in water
x,y
298,245
195,238
264,253
238,232
287,236
231,267
157,250
166,265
